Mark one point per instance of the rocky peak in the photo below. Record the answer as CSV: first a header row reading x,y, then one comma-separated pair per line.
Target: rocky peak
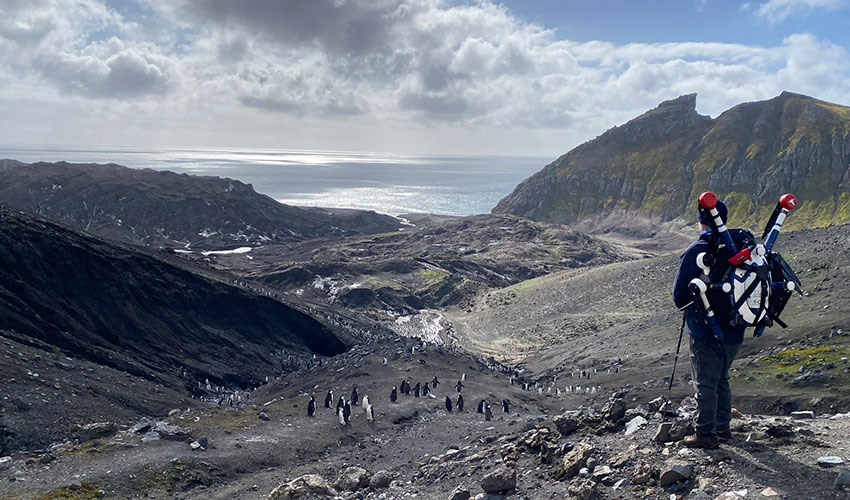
x,y
656,164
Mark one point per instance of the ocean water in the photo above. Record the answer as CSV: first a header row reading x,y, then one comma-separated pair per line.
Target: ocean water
x,y
387,183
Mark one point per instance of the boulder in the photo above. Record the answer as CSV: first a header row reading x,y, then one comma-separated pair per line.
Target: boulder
x,y
676,473
803,414
830,461
779,429
312,484
772,492
732,495
621,484
582,489
656,404
460,493
808,378
142,426
601,472
662,435
96,430
500,480
635,424
566,425
171,432
698,495
380,479
535,438
614,410
681,429
575,460
150,436
352,479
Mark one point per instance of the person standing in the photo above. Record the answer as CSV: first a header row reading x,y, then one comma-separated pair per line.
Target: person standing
x,y
710,357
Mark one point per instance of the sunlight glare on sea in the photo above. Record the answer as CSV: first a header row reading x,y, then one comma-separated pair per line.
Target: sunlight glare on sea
x,y
387,183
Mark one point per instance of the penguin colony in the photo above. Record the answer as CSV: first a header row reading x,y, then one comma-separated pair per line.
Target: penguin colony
x,y
343,406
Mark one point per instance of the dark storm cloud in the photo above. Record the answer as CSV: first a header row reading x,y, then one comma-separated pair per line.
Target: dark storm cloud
x,y
339,27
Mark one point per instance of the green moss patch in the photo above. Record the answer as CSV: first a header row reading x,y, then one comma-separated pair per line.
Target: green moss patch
x,y
800,359
83,491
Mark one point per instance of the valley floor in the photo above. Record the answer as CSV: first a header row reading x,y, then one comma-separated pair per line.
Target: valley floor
x,y
426,451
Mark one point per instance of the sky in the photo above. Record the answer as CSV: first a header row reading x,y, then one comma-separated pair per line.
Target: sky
x,y
519,77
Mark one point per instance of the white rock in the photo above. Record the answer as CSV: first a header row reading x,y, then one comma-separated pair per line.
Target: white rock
x,y
635,424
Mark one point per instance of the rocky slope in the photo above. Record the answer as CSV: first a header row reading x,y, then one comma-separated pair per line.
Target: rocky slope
x,y
575,320
70,302
569,445
655,166
162,208
441,263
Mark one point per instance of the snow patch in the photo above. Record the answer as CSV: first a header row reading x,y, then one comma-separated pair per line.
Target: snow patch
x,y
227,252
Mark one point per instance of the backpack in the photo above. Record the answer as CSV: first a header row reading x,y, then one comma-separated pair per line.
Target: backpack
x,y
746,286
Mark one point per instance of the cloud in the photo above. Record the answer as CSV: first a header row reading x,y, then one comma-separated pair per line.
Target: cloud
x,y
84,48
777,11
436,68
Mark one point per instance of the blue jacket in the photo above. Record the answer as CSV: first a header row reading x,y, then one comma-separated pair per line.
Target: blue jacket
x,y
720,303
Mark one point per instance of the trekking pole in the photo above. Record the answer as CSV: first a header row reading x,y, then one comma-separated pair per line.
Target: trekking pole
x,y
673,375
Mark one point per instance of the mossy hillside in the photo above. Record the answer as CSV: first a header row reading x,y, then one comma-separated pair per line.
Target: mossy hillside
x,y
789,143
84,491
432,276
179,475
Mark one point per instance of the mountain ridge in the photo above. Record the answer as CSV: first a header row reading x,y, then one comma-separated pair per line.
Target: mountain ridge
x,y
656,165
163,208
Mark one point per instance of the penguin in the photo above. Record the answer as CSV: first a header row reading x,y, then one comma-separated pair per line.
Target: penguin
x,y
311,406
425,389
393,395
329,399
340,403
354,396
384,362
459,386
506,405
448,404
463,377
346,413
459,403
481,406
488,412
416,389
339,413
365,400
370,413
435,382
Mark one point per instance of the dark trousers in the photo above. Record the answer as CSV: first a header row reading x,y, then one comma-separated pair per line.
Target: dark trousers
x,y
710,361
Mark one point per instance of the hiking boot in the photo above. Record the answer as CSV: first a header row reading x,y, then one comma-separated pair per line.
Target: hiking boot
x,y
725,436
704,442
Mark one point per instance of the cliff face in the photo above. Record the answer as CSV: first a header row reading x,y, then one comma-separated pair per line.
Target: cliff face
x,y
163,208
657,164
